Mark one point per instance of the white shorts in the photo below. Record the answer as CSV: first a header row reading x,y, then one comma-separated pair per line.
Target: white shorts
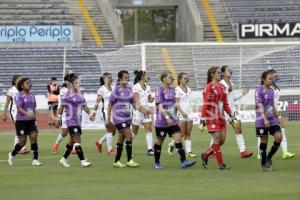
x,y
187,119
13,114
64,121
140,118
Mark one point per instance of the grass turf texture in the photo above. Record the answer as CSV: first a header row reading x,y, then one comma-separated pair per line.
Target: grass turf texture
x,y
102,181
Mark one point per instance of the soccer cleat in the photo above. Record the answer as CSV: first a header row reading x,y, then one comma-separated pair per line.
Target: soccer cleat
x,y
64,162
287,155
204,161
55,148
74,151
246,154
150,152
111,152
258,156
24,151
158,166
36,163
191,155
223,167
170,149
10,159
85,163
119,165
99,146
187,163
266,167
132,164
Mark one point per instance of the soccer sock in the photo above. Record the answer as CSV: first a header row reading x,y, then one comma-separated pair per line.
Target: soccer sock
x,y
211,142
284,145
273,150
180,150
102,139
109,139
35,150
119,152
208,152
16,150
68,151
129,150
149,140
172,143
188,145
240,142
218,154
157,151
258,145
79,151
263,153
59,139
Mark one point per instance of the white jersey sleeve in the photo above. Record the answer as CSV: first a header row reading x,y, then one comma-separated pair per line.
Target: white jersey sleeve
x,y
100,91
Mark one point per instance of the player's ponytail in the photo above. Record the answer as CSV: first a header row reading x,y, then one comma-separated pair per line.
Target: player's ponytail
x,y
138,76
101,80
14,80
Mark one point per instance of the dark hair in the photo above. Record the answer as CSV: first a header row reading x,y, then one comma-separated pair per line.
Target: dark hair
x,y
274,71
164,75
265,74
138,75
73,78
180,75
67,78
53,78
102,78
21,82
223,69
121,74
211,71
14,79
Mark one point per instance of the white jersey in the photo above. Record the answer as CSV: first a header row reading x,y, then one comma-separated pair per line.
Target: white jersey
x,y
62,93
12,92
232,96
105,93
143,94
276,97
184,99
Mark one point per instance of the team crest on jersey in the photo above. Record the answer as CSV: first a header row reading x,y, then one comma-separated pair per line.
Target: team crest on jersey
x,y
162,133
123,125
75,130
22,132
261,131
213,126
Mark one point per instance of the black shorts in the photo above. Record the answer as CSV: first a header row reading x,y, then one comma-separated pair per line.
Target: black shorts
x,y
74,130
266,131
162,132
122,126
53,105
24,128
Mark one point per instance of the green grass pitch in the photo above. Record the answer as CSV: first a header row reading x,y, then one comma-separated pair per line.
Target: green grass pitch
x,y
244,181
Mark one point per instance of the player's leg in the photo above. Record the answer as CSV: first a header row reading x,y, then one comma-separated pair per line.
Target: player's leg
x,y
33,136
76,136
111,131
276,131
284,145
157,148
128,145
64,132
149,137
187,139
21,142
69,147
219,140
120,142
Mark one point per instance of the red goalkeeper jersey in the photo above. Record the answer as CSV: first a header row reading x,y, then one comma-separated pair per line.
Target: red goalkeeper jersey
x,y
215,102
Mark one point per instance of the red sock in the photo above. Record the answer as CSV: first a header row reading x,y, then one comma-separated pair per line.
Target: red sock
x,y
218,154
208,152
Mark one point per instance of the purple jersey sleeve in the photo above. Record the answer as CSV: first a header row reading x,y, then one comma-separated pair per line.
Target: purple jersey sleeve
x,y
64,101
19,101
159,97
113,96
258,97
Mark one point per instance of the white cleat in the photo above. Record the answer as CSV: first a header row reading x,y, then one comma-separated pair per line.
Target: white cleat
x,y
85,163
10,159
64,162
36,163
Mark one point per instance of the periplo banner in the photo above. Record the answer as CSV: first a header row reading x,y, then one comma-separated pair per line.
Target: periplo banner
x,y
45,33
269,30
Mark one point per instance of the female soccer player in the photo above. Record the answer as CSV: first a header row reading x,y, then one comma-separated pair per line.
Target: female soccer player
x,y
64,129
10,101
73,102
166,120
212,116
184,113
284,146
25,122
232,97
142,94
267,119
103,95
120,108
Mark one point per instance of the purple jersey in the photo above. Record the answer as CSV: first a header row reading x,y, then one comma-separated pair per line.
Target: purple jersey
x,y
73,102
27,102
265,96
167,98
121,100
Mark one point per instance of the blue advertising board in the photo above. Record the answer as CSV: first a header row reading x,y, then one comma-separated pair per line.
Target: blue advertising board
x,y
44,33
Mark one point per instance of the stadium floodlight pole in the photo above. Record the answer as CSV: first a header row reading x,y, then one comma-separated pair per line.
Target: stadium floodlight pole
x,y
143,49
65,61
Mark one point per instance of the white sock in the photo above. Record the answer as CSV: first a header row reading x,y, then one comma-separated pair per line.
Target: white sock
x,y
284,145
240,142
149,140
258,144
59,139
211,141
109,140
188,145
103,139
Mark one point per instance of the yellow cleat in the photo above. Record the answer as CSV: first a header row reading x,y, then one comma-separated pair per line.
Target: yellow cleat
x,y
132,164
119,165
191,155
